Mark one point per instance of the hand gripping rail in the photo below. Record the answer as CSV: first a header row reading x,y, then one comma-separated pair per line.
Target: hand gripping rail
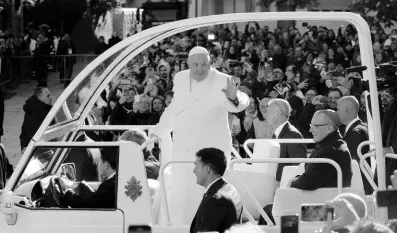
x,y
284,160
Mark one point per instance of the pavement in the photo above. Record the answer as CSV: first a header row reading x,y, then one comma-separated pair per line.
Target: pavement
x,y
14,114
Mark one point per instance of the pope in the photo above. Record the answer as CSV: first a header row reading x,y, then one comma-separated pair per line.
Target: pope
x,y
198,118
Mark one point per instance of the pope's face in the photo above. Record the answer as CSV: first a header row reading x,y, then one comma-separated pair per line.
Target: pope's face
x,y
199,64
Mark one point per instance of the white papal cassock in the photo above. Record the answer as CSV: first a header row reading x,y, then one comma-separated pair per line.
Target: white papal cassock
x,y
198,118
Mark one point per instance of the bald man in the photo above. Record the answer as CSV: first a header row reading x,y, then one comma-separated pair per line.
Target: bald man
x,y
354,132
198,118
330,145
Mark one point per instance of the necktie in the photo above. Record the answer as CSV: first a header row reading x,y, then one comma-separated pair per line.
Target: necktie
x,y
342,129
273,136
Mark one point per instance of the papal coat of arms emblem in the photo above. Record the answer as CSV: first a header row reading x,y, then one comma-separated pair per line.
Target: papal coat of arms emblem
x,y
133,189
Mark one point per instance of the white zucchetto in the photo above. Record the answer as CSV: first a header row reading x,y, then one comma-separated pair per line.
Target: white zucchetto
x,y
198,50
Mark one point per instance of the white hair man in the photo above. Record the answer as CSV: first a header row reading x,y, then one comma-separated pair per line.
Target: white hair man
x,y
198,118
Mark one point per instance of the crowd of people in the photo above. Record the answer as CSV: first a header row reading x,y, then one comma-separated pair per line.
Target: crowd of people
x,y
307,70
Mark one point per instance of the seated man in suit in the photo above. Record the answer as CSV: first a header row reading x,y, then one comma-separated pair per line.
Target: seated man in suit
x,y
277,116
105,195
221,205
330,145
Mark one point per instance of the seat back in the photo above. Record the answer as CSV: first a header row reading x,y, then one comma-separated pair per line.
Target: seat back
x,y
291,171
284,203
261,186
287,174
264,149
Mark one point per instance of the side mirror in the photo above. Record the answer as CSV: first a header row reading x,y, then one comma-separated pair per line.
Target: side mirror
x,y
69,170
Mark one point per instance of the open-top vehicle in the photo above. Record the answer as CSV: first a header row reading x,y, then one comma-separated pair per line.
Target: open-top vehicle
x,y
31,200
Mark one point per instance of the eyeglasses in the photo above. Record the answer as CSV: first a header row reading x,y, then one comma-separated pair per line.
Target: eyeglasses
x,y
315,126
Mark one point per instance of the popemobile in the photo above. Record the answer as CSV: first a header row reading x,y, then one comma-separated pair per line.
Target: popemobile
x,y
31,200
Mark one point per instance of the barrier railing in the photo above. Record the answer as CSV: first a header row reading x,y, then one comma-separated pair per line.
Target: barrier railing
x,y
23,68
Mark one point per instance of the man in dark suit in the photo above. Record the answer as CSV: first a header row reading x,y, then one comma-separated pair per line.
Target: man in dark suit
x,y
354,131
221,205
105,195
330,145
276,116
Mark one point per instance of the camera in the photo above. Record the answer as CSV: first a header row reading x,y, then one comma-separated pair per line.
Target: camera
x,y
386,79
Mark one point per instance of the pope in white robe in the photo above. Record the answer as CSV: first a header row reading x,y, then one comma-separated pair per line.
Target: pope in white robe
x,y
198,118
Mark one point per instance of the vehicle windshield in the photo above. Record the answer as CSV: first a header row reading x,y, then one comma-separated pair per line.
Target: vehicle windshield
x,y
37,165
71,106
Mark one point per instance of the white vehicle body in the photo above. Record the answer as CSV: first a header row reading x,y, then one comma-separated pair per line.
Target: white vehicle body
x,y
18,218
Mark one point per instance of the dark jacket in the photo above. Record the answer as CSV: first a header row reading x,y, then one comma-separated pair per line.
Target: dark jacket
x,y
152,165
290,150
356,134
6,168
121,113
322,175
100,48
220,208
35,113
114,40
104,197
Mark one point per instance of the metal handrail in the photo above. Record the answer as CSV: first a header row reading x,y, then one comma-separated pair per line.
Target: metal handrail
x,y
163,187
391,156
362,166
363,163
359,153
286,160
113,127
275,140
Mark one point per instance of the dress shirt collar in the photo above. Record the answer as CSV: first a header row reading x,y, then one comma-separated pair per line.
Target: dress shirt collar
x,y
208,187
351,123
112,175
279,129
